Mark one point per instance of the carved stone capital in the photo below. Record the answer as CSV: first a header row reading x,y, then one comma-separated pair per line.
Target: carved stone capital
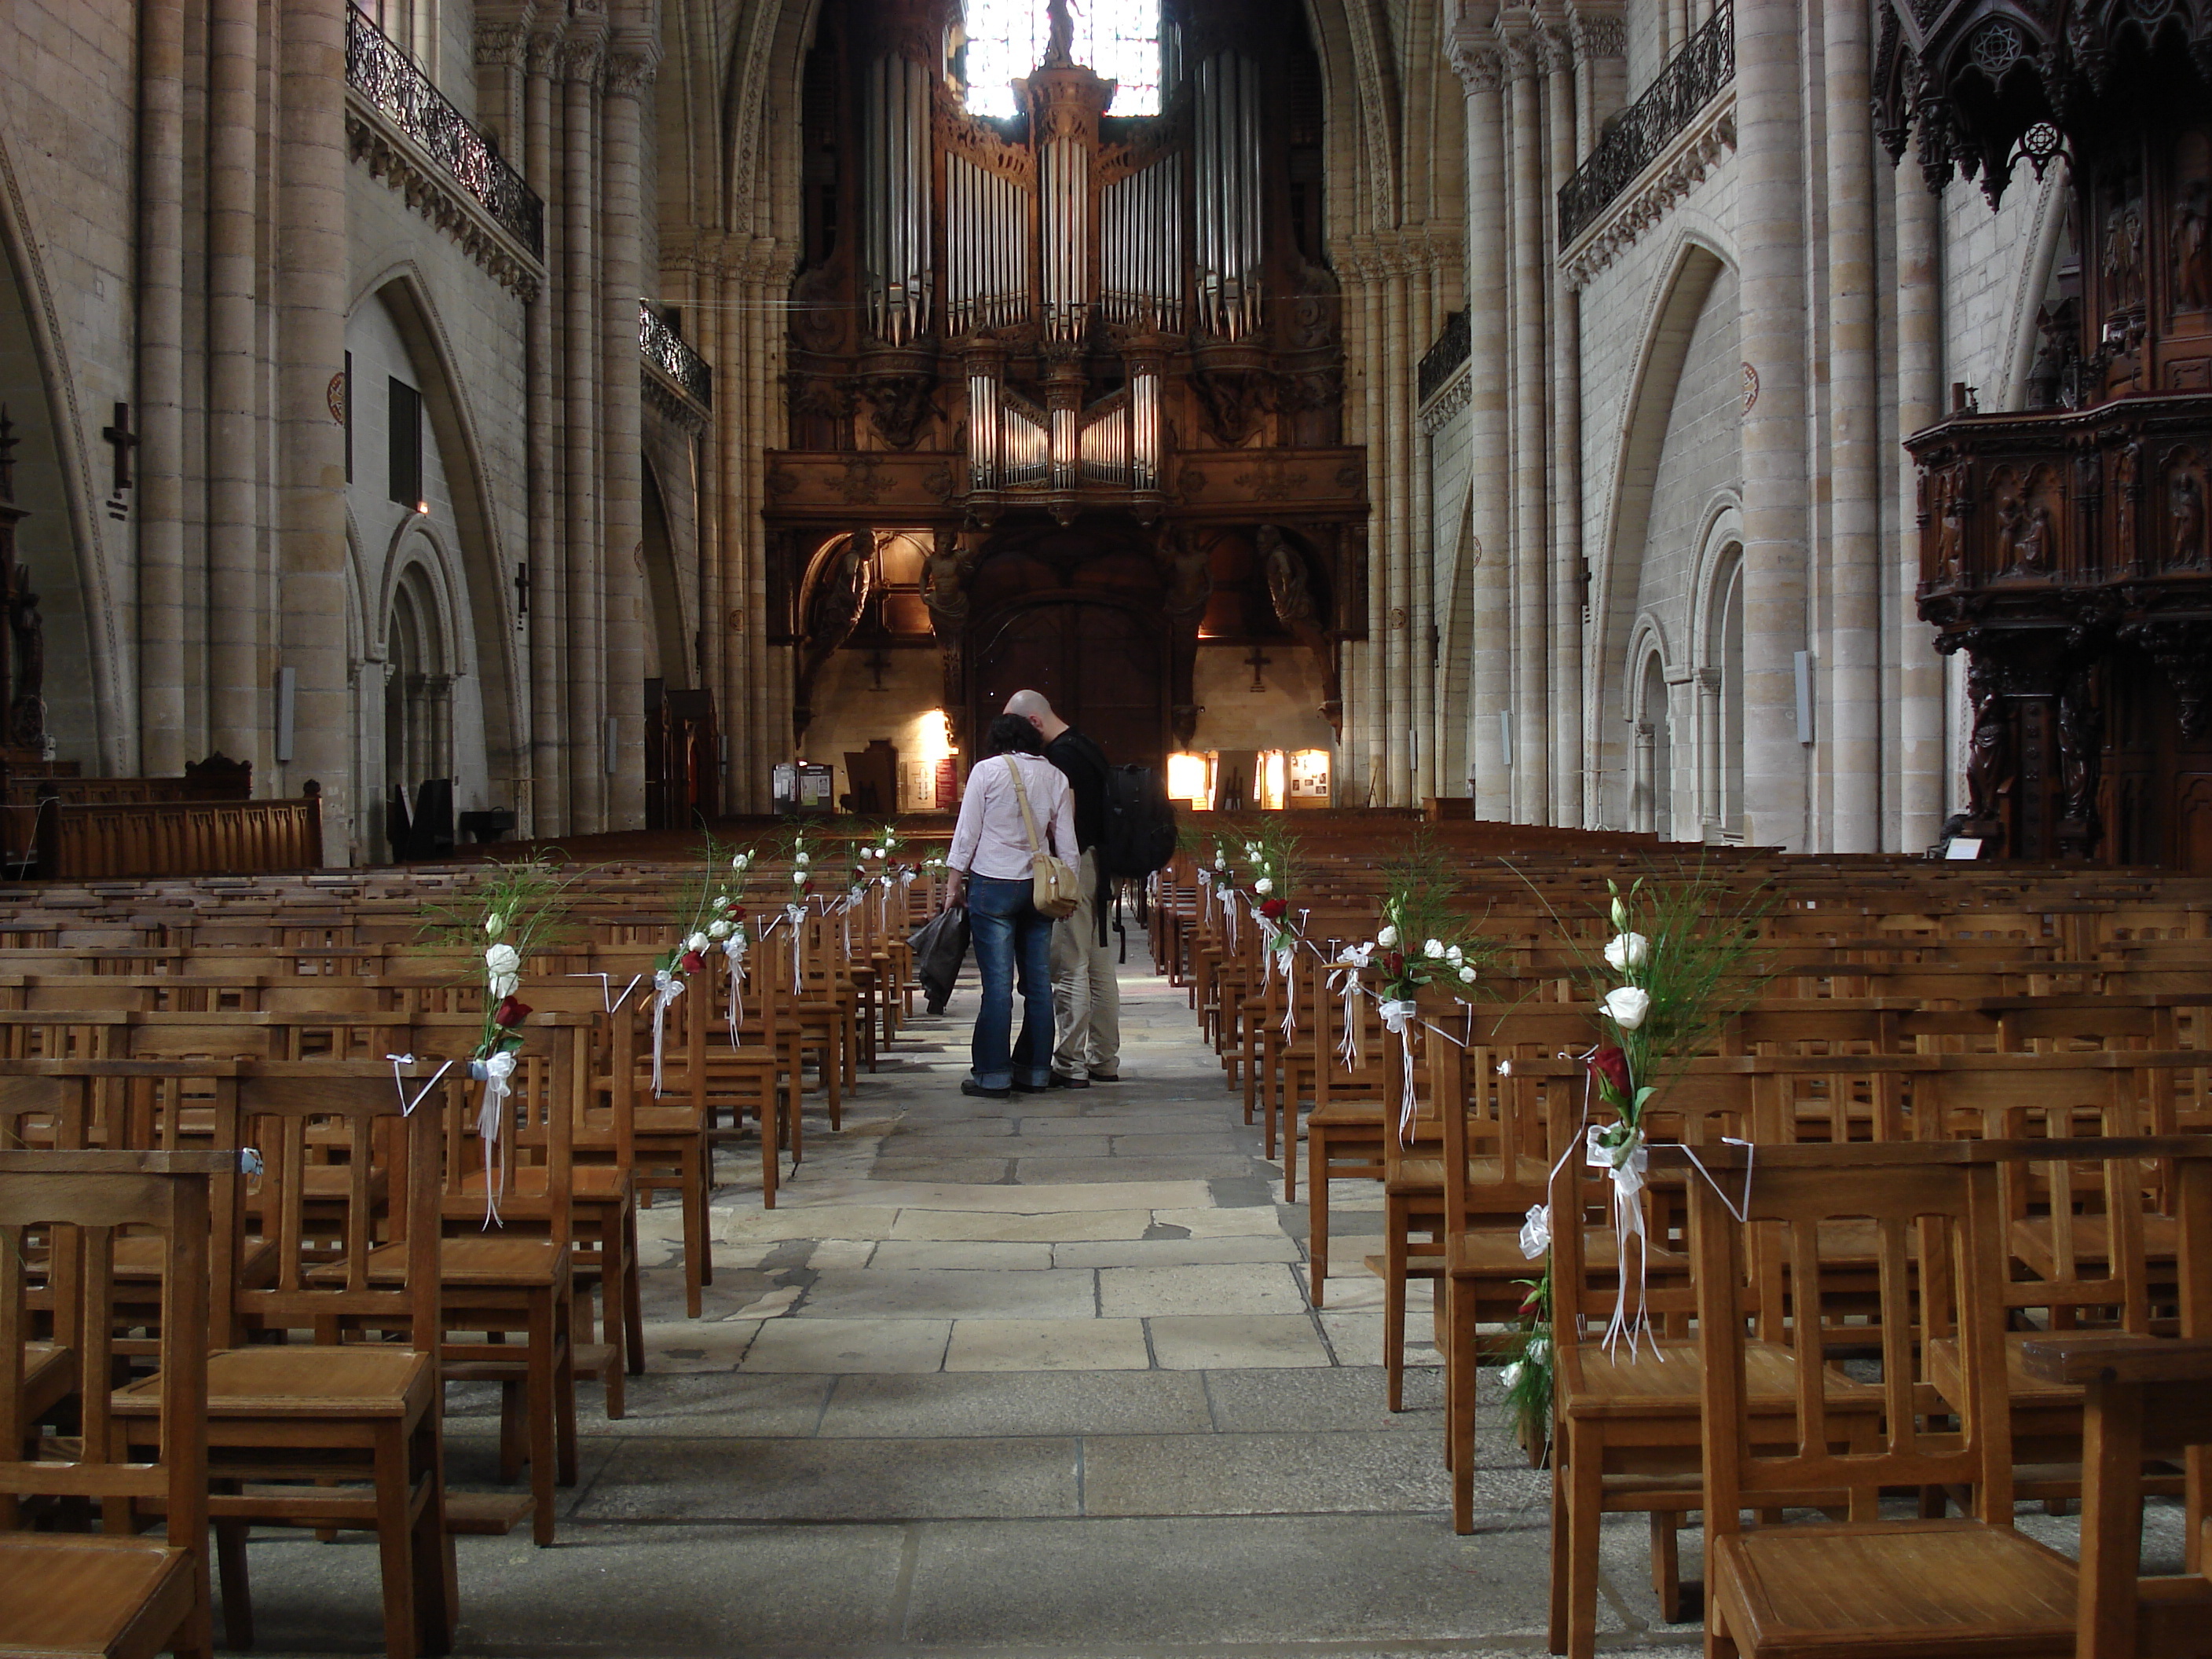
x,y
500,46
1554,52
628,74
1475,59
1597,30
542,57
581,61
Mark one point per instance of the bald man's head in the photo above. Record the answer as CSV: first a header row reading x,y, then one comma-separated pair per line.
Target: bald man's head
x,y
1032,706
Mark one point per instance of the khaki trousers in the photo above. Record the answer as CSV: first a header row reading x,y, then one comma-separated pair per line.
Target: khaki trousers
x,y
1086,997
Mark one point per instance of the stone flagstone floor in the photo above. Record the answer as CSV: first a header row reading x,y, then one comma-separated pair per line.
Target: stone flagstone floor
x,y
1038,1376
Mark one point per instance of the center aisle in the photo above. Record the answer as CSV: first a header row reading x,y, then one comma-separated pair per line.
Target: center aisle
x,y
1032,1376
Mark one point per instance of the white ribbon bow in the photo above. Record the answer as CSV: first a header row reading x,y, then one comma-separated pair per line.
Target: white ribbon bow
x,y
1398,1018
1345,982
493,1072
666,988
1627,1165
1536,1232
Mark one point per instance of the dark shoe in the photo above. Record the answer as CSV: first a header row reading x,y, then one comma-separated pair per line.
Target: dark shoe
x,y
1097,1077
1062,1080
970,1086
1021,1088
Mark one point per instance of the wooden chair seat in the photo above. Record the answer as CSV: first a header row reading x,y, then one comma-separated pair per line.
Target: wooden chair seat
x,y
312,1383
2026,1390
1921,1590
1614,1384
479,1264
91,1595
49,1377
2032,1239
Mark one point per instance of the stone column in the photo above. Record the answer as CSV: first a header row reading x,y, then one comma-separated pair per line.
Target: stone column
x,y
311,312
234,436
586,684
161,390
1568,742
1397,355
1920,764
549,794
629,73
1770,244
1491,668
1853,703
1371,716
1531,758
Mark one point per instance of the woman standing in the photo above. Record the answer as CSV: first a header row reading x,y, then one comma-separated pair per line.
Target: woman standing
x,y
990,865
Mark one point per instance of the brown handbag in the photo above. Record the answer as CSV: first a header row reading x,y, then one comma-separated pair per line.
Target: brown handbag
x,y
1054,888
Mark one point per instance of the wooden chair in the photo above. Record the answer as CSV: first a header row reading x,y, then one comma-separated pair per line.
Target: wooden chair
x,y
328,1371
2148,1397
1864,1586
117,1595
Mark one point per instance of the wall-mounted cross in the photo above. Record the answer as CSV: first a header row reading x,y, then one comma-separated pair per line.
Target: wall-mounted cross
x,y
521,590
123,440
1258,661
878,662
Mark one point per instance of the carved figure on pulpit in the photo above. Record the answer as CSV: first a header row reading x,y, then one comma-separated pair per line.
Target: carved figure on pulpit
x,y
1287,585
2185,505
2192,247
2012,522
1988,750
2123,261
1951,534
2035,542
2080,739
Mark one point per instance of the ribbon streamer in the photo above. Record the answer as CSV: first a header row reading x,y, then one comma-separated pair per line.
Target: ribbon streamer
x,y
607,990
666,988
734,948
798,915
1286,961
1626,1166
407,1102
493,1072
1398,1019
1345,982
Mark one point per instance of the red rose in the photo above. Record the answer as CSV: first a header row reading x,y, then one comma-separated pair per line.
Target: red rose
x,y
1534,1304
1609,1065
1274,909
1394,963
511,1011
691,962
734,912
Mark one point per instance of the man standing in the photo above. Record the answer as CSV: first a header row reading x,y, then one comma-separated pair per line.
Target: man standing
x,y
1086,996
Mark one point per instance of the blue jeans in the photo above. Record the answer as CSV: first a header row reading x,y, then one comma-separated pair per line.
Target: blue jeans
x,y
1013,947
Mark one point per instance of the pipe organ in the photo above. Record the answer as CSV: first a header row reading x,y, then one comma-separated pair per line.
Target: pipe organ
x,y
1069,315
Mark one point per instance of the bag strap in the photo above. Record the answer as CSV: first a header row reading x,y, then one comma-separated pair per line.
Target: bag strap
x,y
1022,795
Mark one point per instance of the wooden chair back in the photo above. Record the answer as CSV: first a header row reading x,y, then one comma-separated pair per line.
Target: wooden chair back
x,y
1789,1199
79,1201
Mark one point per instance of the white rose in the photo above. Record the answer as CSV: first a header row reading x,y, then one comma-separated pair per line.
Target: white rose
x,y
504,984
1627,1007
696,942
720,930
1510,1376
495,924
1219,862
1387,938
1619,914
798,876
1264,885
1434,949
1628,951
742,861
1454,956
1466,976
502,959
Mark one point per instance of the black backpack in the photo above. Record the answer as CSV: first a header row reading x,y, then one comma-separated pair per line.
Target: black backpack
x,y
1138,834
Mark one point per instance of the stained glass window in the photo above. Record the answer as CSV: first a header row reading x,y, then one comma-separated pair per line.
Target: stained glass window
x,y
1119,38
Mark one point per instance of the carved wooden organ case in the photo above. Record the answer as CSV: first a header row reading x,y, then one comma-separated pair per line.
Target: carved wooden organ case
x,y
2063,548
1067,320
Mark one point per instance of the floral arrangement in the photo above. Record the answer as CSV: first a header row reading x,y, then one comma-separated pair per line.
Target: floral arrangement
x,y
802,868
1680,963
1418,906
518,910
1527,1377
1267,868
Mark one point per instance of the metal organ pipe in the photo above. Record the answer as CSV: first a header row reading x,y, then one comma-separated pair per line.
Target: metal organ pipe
x,y
895,171
1227,151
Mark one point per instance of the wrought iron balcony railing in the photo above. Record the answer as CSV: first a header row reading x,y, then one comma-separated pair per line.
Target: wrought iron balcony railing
x,y
383,75
664,347
1693,78
1450,351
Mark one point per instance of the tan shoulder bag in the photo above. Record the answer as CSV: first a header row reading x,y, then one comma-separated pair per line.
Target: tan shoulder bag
x,y
1054,888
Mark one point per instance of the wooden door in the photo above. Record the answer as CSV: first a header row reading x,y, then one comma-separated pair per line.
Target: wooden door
x,y
1102,666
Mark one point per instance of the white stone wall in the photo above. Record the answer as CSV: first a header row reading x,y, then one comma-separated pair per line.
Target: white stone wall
x,y
67,347
1284,713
